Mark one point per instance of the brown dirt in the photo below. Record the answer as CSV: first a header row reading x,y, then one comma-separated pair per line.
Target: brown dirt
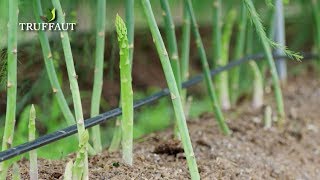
x,y
252,152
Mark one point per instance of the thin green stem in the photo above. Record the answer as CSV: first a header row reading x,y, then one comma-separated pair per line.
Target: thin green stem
x,y
80,169
11,83
267,48
316,13
216,38
129,6
98,71
49,63
222,78
185,52
172,47
239,51
257,100
172,41
116,139
32,135
175,95
206,70
126,92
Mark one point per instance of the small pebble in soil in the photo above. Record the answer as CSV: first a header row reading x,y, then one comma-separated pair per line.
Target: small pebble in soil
x,y
116,164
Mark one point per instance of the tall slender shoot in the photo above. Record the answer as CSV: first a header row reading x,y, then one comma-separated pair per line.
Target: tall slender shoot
x,y
126,92
129,8
11,83
33,154
172,47
49,64
267,43
80,169
217,25
206,70
98,71
185,53
175,95
316,13
239,52
222,78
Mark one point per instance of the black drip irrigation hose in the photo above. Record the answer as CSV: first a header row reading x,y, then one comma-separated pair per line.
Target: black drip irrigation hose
x,y
55,136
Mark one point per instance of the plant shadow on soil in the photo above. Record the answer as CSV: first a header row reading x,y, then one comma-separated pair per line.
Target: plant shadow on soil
x,y
252,152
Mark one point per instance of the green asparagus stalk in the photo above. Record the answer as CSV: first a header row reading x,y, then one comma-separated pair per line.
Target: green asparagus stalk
x,y
68,171
222,78
217,25
257,100
33,154
175,95
80,169
11,83
185,51
267,117
205,66
126,92
239,50
267,43
172,41
130,26
129,6
316,13
48,60
172,47
116,139
16,172
98,71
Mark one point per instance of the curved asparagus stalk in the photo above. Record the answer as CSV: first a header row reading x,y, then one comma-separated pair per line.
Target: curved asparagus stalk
x,y
205,66
33,154
175,95
222,78
80,169
126,92
11,83
48,60
98,71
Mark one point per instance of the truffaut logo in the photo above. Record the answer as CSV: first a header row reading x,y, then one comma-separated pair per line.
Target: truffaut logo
x,y
49,23
50,16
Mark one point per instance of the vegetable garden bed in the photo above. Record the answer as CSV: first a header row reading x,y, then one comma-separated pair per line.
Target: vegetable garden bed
x,y
251,152
261,117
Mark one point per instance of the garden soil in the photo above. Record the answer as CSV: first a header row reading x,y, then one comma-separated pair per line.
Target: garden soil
x,y
251,152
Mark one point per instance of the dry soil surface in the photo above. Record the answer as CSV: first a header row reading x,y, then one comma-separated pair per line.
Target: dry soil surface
x,y
251,152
